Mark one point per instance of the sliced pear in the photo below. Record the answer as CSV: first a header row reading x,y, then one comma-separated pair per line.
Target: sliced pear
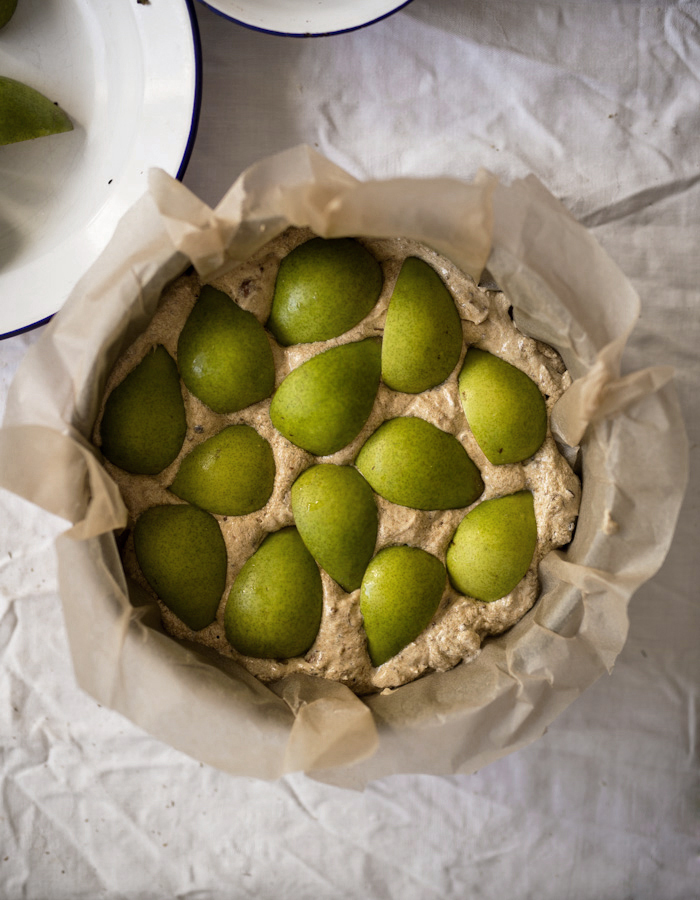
x,y
323,405
229,474
223,354
324,288
493,546
504,408
410,462
274,607
7,10
182,554
335,512
144,425
423,332
400,594
26,114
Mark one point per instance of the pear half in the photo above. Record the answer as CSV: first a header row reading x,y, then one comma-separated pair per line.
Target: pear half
x,y
493,546
143,424
400,594
229,474
323,404
336,514
182,554
504,407
223,354
324,287
26,114
413,463
274,607
423,331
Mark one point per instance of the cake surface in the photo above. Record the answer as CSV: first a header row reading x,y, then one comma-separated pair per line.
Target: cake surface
x,y
456,631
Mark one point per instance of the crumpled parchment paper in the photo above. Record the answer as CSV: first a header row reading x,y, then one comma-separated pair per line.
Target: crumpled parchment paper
x,y
626,431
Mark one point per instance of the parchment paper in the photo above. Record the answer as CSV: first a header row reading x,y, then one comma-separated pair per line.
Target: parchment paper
x,y
626,431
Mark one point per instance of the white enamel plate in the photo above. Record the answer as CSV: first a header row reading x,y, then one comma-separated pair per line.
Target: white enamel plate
x,y
305,18
127,72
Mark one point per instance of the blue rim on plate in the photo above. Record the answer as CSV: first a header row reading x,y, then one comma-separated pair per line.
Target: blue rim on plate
x,y
212,5
184,124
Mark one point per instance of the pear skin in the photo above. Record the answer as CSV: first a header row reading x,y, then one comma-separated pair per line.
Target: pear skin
x,y
182,554
400,593
413,463
229,474
274,607
504,408
224,355
26,114
336,515
422,339
324,288
493,546
144,425
323,404
7,10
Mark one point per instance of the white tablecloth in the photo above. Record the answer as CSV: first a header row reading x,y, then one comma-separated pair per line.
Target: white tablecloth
x,y
600,100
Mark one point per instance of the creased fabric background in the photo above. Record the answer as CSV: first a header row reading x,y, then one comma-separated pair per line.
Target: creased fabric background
x,y
600,100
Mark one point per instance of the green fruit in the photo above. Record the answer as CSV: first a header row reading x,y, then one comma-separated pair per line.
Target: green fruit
x,y
400,593
182,555
26,114
230,474
412,463
493,546
323,405
324,287
7,10
144,424
336,515
223,353
274,607
423,332
504,408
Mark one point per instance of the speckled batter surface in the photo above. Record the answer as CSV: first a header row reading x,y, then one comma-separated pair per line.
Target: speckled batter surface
x,y
461,624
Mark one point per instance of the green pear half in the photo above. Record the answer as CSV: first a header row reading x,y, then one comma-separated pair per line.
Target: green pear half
x,y
274,607
182,554
144,425
324,287
504,408
336,515
224,355
400,594
229,474
422,338
26,114
493,546
410,462
322,405
7,10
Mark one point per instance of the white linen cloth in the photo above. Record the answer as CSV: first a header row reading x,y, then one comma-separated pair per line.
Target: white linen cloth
x,y
602,102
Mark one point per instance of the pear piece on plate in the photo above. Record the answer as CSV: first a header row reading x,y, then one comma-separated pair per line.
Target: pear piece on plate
x,y
7,10
400,594
182,554
504,408
144,425
26,114
274,607
324,287
493,546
